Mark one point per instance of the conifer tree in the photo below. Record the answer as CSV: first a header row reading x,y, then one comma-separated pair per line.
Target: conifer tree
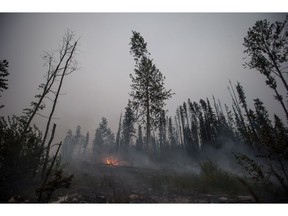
x,y
118,136
78,139
3,73
187,131
204,124
267,46
263,124
68,146
194,125
212,123
179,131
86,142
139,141
128,126
104,137
148,91
271,82
242,99
162,131
171,135
281,138
181,113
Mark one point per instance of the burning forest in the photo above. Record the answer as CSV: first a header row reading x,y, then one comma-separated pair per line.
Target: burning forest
x,y
207,152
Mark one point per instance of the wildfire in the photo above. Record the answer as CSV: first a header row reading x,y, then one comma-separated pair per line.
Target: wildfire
x,y
111,162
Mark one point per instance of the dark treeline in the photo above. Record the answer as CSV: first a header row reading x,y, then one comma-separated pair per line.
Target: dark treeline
x,y
197,127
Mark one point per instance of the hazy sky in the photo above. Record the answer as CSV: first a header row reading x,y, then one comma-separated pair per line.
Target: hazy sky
x,y
198,54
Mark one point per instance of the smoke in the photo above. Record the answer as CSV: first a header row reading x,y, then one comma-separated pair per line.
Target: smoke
x,y
116,176
177,160
224,155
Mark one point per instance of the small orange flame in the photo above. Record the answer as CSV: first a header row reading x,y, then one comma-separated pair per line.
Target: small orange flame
x,y
111,162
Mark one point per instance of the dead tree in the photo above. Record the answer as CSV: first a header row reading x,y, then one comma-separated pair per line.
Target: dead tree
x,y
66,66
58,68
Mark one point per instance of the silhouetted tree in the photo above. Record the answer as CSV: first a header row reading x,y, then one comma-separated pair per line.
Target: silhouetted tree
x,y
148,91
3,74
179,132
182,122
69,65
24,152
271,82
128,127
139,140
57,68
98,142
19,162
74,146
171,135
281,137
67,147
79,141
239,118
85,145
194,126
242,99
204,127
263,124
212,124
104,137
267,46
162,132
187,137
65,65
118,136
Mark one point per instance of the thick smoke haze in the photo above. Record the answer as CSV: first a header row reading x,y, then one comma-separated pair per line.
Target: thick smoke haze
x,y
197,53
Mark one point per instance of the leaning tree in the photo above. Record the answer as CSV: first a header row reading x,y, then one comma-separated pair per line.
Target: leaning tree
x,y
267,47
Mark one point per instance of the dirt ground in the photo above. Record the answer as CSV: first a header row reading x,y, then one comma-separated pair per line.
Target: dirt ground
x,y
111,184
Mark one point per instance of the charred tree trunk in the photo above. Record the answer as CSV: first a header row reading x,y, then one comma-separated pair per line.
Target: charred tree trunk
x,y
58,91
48,173
46,159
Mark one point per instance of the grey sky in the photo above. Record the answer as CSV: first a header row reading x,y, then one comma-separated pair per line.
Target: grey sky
x,y
198,54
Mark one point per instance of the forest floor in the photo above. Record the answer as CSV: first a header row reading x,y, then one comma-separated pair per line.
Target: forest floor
x,y
124,184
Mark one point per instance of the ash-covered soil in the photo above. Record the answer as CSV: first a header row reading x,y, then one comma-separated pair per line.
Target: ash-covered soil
x,y
125,184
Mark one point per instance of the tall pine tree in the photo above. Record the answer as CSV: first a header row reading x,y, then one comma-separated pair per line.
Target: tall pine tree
x,y
148,91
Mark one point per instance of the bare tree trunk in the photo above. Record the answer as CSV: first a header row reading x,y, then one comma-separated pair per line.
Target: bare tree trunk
x,y
48,151
183,128
236,103
148,126
49,83
48,173
178,126
147,113
118,139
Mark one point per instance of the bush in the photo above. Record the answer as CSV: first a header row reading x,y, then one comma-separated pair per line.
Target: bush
x,y
19,156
